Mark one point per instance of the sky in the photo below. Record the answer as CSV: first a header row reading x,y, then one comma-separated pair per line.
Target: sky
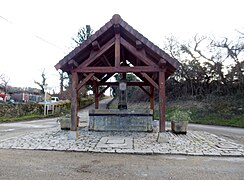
x,y
35,35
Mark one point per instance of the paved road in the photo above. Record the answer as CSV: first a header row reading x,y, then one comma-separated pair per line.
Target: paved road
x,y
236,134
9,130
23,164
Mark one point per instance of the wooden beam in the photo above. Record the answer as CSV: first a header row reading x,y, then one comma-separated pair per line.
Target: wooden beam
x,y
162,63
106,69
84,81
139,45
107,77
144,90
128,84
138,54
73,63
74,103
150,80
102,91
117,50
95,45
96,54
117,28
161,82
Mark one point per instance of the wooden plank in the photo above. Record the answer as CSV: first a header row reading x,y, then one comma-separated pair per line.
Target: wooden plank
x,y
74,104
137,53
150,80
161,82
120,69
96,54
117,50
84,81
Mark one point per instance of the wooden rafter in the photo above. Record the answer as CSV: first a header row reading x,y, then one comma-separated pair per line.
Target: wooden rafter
x,y
128,84
107,77
84,81
139,54
121,69
102,91
150,80
73,63
96,54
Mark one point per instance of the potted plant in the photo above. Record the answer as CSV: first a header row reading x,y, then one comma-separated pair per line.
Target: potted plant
x,y
65,122
179,121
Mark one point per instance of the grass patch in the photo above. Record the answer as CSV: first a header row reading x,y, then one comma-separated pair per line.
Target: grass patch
x,y
26,117
235,120
223,111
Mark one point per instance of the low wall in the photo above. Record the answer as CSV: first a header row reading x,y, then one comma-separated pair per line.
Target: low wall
x,y
120,120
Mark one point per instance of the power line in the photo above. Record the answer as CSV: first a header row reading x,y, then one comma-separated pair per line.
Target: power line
x,y
36,36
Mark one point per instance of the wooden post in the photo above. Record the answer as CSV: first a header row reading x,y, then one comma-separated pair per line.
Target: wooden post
x,y
161,101
74,104
96,95
77,109
152,99
117,50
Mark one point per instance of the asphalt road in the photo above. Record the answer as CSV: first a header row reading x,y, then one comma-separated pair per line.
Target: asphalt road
x,y
23,164
9,130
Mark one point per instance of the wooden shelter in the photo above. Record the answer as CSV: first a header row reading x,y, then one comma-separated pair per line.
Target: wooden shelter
x,y
118,48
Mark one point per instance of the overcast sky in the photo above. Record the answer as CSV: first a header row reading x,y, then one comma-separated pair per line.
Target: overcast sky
x,y
36,34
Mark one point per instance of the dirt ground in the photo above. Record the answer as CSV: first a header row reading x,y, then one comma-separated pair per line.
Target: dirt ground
x,y
22,164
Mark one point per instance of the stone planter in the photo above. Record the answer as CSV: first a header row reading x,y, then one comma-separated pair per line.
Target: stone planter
x,y
179,127
65,123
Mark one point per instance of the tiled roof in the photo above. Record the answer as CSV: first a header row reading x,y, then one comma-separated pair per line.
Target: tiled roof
x,y
116,19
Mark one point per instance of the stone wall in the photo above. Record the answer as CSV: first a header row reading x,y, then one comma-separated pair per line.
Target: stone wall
x,y
15,110
124,120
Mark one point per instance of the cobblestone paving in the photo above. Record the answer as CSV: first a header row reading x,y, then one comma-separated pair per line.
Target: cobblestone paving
x,y
197,143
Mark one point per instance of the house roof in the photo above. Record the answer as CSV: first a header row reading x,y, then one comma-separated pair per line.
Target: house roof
x,y
128,34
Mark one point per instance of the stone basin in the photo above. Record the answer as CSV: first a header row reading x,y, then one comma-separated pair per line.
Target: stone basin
x,y
120,120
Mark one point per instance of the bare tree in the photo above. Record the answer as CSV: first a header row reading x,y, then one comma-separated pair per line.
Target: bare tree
x,y
83,34
43,83
234,51
4,80
62,77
